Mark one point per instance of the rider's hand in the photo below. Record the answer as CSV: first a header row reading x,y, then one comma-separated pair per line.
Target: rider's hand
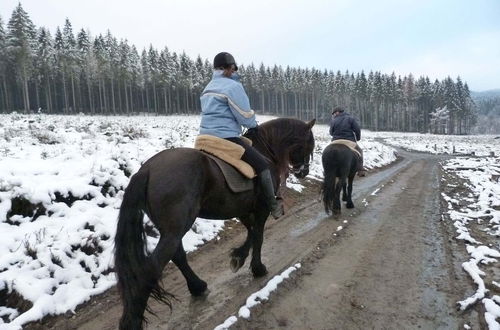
x,y
253,130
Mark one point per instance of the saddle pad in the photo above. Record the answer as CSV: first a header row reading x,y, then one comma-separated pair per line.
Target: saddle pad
x,y
348,143
226,150
235,180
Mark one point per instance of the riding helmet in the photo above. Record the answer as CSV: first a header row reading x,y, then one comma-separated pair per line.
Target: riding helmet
x,y
224,60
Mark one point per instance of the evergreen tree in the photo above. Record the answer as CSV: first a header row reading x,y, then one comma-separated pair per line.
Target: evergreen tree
x,y
44,63
101,75
20,41
4,92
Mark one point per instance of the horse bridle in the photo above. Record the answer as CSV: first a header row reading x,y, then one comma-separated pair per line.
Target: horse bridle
x,y
293,168
304,166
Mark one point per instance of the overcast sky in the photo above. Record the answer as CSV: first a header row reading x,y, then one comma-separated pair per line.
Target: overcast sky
x,y
435,38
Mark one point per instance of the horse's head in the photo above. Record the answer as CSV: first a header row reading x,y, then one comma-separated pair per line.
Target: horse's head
x,y
286,142
301,152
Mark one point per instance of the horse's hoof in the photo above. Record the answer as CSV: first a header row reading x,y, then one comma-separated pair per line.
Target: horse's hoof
x,y
236,263
349,205
198,289
336,212
259,271
344,199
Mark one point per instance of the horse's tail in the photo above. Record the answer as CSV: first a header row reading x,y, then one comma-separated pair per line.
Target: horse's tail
x,y
335,176
132,265
327,190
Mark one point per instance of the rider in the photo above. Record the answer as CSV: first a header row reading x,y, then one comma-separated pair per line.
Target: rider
x,y
344,126
225,108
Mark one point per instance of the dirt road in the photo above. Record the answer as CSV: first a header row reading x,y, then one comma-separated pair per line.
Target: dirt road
x,y
392,266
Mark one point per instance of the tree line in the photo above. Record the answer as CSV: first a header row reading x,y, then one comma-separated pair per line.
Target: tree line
x,y
73,73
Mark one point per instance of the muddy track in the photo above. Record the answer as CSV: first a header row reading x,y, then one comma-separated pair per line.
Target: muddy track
x,y
390,267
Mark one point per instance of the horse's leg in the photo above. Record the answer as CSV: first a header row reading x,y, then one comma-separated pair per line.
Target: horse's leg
x,y
344,193
239,254
258,269
134,315
339,183
350,204
195,285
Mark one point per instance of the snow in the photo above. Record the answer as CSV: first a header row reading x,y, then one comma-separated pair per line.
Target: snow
x,y
479,145
477,223
257,297
73,170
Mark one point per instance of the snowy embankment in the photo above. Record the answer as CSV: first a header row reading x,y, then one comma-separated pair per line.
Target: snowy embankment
x,y
472,193
61,183
474,209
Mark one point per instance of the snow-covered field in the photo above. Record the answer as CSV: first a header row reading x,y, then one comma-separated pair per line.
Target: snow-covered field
x,y
479,145
61,183
62,179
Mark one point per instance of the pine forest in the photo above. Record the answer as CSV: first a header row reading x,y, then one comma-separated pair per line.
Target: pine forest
x,y
74,72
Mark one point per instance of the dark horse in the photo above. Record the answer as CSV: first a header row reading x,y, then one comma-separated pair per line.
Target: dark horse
x,y
340,165
176,186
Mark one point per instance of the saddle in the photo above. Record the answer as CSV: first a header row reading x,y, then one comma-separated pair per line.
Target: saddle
x,y
348,143
227,156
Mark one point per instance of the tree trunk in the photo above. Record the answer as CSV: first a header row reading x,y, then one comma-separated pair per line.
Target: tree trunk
x,y
7,104
75,108
113,96
37,96
126,98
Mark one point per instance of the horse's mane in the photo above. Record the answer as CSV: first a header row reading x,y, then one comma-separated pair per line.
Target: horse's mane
x,y
281,134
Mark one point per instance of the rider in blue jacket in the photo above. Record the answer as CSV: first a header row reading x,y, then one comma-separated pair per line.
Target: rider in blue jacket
x,y
225,108
344,126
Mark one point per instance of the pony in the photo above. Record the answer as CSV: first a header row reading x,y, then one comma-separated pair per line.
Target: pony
x,y
340,165
176,186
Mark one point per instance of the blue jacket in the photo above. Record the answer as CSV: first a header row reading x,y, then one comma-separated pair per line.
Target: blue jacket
x,y
225,107
343,126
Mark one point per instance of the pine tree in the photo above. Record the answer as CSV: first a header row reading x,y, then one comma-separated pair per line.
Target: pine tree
x,y
112,59
70,61
21,44
4,92
88,67
44,64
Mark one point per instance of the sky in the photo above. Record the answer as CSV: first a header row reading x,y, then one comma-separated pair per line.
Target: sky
x,y
423,37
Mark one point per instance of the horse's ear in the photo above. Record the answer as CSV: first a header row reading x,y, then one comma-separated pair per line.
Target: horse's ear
x,y
311,123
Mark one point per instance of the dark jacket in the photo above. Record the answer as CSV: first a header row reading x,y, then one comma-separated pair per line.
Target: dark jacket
x,y
344,126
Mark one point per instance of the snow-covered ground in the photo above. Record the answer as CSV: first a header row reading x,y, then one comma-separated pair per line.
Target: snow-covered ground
x,y
61,184
62,179
479,145
474,209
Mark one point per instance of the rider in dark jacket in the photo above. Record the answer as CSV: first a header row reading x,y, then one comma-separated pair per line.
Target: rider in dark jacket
x,y
344,126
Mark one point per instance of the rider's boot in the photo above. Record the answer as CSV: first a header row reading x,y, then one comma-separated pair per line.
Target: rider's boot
x,y
361,170
266,183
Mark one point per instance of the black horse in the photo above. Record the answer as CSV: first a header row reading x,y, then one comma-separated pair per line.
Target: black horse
x,y
340,165
176,186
